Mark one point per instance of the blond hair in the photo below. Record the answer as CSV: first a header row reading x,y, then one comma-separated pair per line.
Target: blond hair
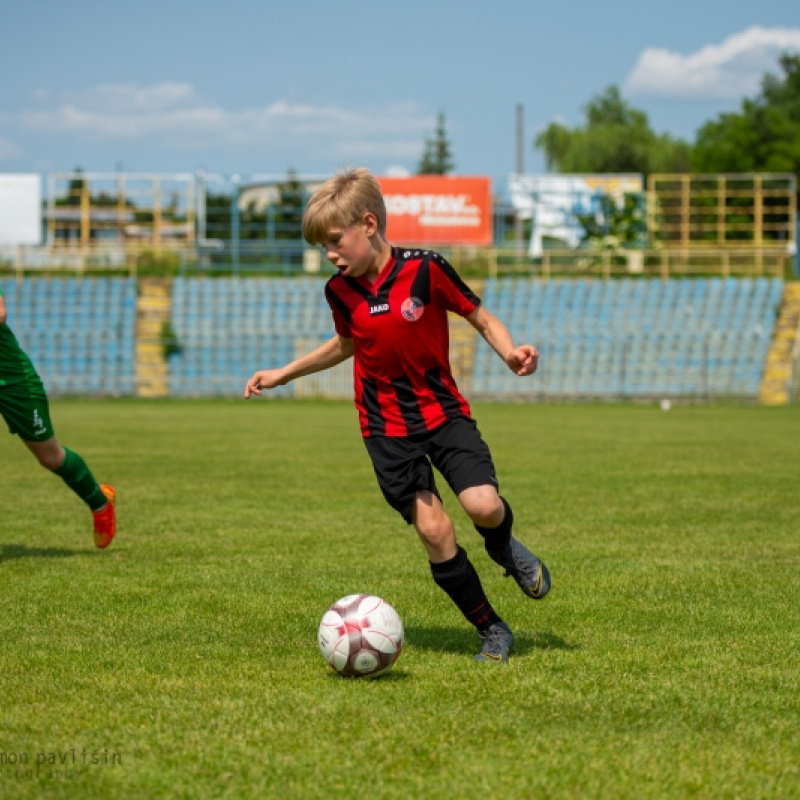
x,y
341,202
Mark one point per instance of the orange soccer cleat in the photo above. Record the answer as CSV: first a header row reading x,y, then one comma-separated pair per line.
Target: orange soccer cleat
x,y
105,520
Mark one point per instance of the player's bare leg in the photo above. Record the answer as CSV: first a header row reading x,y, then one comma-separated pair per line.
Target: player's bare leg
x,y
434,528
50,454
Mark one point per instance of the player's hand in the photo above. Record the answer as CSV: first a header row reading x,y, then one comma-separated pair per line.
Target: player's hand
x,y
523,360
263,379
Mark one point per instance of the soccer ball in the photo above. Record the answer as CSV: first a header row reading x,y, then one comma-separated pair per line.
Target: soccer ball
x,y
361,635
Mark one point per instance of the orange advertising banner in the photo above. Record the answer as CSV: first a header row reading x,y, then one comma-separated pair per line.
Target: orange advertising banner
x,y
437,209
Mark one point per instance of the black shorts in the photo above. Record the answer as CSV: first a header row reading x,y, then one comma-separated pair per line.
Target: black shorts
x,y
404,466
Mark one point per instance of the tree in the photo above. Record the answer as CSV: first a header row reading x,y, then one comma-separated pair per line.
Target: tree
x,y
437,158
218,215
616,225
75,190
764,136
252,222
616,138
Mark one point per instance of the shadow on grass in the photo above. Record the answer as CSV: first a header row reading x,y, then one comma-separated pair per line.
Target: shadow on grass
x,y
457,640
394,675
9,552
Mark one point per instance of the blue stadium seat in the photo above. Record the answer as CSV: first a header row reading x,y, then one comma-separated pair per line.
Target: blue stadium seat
x,y
67,325
632,337
229,327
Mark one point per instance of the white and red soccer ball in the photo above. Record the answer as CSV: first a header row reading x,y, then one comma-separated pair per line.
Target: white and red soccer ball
x,y
361,635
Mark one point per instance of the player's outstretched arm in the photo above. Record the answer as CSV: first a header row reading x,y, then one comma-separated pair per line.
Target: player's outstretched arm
x,y
327,355
3,312
521,359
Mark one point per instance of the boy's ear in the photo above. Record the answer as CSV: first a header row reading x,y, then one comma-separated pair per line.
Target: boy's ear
x,y
370,223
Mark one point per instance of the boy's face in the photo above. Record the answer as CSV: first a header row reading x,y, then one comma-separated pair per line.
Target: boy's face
x,y
351,249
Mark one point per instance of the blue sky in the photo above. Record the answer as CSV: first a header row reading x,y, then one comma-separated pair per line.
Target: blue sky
x,y
251,87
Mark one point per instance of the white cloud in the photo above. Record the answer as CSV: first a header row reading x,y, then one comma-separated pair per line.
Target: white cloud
x,y
174,115
731,69
396,171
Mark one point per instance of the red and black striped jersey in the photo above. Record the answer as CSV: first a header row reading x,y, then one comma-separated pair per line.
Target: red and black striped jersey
x,y
402,377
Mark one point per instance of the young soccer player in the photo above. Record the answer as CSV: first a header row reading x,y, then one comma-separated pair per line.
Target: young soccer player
x,y
389,308
24,407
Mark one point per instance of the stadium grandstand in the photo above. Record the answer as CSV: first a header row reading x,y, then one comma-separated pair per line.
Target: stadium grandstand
x,y
181,285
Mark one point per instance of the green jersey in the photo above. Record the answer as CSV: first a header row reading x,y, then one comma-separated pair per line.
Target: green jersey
x,y
15,366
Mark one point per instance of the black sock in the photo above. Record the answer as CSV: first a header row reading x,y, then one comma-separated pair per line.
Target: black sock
x,y
459,579
497,538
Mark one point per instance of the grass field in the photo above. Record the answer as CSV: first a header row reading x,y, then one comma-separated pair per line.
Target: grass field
x,y
183,663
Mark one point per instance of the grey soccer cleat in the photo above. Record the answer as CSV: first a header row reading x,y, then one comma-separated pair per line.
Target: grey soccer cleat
x,y
524,567
497,642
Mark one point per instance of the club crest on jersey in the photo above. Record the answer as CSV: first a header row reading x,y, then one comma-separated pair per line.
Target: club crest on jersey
x,y
412,309
377,307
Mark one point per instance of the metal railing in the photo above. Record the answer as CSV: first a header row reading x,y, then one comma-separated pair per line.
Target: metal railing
x,y
653,263
296,258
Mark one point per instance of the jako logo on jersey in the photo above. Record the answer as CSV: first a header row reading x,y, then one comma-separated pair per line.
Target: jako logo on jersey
x,y
378,308
412,309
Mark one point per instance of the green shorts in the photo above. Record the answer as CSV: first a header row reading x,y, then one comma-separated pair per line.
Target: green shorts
x,y
26,411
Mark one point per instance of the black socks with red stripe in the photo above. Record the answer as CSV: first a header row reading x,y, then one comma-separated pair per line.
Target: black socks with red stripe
x,y
459,579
